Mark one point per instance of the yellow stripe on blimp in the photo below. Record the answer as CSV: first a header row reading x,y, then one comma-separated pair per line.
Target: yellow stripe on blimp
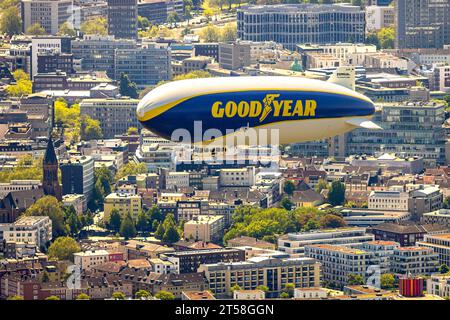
x,y
161,109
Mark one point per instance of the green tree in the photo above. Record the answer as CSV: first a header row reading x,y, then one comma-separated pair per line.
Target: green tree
x,y
321,185
446,203
229,33
336,194
332,221
172,17
115,220
284,295
142,294
171,235
118,295
127,87
387,38
289,187
36,30
355,279
50,207
45,278
262,288
289,289
235,288
63,248
72,221
169,229
210,33
143,222
131,168
164,295
52,298
387,281
103,179
444,269
15,298
89,128
286,203
27,168
10,21
127,228
23,85
66,29
131,131
83,296
143,23
95,26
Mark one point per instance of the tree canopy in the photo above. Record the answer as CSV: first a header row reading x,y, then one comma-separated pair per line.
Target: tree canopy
x,y
63,248
36,30
95,26
22,86
10,21
336,194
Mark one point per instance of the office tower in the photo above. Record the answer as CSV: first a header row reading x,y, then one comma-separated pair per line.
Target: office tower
x,y
122,18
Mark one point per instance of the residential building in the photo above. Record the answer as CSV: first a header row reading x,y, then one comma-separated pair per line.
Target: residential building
x,y
77,201
425,199
86,260
156,156
441,216
177,180
294,243
239,177
123,202
249,295
406,233
440,244
28,229
190,260
414,261
18,185
122,18
338,262
290,24
381,253
50,14
77,176
273,272
422,23
205,228
234,56
310,293
439,285
146,65
52,62
115,115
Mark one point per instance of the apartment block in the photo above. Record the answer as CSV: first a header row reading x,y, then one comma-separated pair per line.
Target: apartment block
x,y
50,14
338,262
388,200
440,244
271,271
122,18
77,175
28,229
86,260
205,228
123,202
414,261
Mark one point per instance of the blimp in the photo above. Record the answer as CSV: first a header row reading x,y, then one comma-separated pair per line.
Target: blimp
x,y
201,111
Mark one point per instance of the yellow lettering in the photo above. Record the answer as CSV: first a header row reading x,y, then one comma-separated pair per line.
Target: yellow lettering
x,y
216,111
255,109
277,106
287,108
243,109
310,108
298,109
231,109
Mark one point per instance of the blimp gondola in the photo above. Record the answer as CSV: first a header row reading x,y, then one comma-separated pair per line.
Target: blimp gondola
x,y
297,109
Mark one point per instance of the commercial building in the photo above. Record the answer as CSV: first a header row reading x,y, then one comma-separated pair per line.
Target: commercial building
x,y
234,56
338,262
388,200
28,229
441,216
271,271
122,18
146,65
379,17
440,244
97,53
291,24
77,176
86,260
50,14
239,177
115,115
381,253
369,218
411,129
294,243
190,260
425,199
422,23
123,202
205,228
42,46
414,261
156,156
157,11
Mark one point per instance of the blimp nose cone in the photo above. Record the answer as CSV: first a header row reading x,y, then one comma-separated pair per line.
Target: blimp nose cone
x,y
140,110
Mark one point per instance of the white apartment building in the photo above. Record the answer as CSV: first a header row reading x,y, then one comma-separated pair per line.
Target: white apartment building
x,y
441,216
440,244
77,201
28,229
388,200
156,156
338,262
381,253
310,293
162,266
249,295
414,261
379,17
240,177
176,180
294,243
204,228
88,259
439,285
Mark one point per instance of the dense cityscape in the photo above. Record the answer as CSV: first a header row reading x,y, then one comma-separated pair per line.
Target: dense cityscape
x,y
95,207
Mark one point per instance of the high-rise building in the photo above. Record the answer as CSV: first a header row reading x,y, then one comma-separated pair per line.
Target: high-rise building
x,y
291,24
50,182
157,11
145,65
122,18
77,176
47,45
50,14
422,23
97,53
115,115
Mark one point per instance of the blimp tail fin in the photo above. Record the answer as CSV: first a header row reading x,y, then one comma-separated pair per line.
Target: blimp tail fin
x,y
344,76
364,123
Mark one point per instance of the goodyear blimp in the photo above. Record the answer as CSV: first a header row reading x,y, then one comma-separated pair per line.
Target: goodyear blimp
x,y
298,109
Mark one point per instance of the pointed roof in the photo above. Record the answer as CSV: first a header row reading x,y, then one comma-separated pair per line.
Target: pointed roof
x,y
50,154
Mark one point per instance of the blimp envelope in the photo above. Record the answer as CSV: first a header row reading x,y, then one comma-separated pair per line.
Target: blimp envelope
x,y
297,109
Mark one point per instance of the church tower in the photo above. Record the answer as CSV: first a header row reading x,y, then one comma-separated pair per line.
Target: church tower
x,y
50,182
